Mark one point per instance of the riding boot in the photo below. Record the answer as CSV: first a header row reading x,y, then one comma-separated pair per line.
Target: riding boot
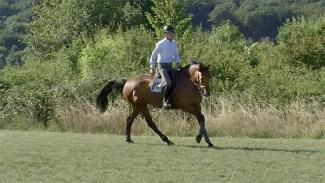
x,y
166,99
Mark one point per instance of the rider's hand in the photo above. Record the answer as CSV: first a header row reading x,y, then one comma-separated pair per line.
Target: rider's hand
x,y
178,67
152,72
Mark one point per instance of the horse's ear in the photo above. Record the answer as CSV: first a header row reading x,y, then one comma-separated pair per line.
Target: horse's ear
x,y
194,61
203,67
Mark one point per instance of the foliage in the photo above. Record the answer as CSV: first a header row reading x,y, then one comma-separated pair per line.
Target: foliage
x,y
113,56
14,56
254,69
14,15
224,49
255,18
58,23
34,90
301,41
170,12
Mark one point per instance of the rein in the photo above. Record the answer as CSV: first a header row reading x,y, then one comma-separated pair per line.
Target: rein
x,y
197,78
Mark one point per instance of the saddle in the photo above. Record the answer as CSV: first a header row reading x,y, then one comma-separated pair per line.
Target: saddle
x,y
157,85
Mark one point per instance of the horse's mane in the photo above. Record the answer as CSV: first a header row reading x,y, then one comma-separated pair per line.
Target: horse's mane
x,y
186,67
194,62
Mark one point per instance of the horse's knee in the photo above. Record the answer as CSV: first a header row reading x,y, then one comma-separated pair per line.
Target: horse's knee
x,y
150,124
129,120
200,117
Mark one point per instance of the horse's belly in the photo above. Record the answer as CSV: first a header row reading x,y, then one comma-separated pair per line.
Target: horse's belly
x,y
155,100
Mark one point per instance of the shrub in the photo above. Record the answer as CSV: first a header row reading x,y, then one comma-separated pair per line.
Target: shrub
x,y
224,49
120,55
301,41
34,90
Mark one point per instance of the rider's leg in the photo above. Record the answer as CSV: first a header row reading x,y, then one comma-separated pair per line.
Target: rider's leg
x,y
166,96
164,71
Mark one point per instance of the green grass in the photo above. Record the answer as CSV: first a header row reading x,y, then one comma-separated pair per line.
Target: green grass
x,y
37,156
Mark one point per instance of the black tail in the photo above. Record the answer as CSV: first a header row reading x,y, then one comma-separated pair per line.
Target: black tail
x,y
101,100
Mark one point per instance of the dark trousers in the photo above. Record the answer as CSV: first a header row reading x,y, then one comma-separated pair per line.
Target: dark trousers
x,y
164,70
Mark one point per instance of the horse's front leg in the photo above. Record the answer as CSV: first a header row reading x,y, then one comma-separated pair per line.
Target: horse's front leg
x,y
202,132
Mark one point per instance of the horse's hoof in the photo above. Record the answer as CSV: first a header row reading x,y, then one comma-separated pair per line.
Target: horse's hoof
x,y
129,141
170,143
211,145
198,139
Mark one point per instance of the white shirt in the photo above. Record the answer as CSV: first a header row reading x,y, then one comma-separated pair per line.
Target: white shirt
x,y
166,51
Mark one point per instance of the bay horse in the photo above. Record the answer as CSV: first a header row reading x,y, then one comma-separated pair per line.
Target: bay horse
x,y
192,80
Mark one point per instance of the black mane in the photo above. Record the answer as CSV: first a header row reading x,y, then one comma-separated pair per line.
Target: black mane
x,y
194,62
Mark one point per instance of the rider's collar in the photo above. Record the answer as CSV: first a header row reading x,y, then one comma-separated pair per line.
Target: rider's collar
x,y
168,39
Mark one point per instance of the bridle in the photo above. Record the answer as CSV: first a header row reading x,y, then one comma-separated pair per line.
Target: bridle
x,y
198,82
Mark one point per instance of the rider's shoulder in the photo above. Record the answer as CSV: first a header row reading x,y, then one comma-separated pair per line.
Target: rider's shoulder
x,y
161,41
165,41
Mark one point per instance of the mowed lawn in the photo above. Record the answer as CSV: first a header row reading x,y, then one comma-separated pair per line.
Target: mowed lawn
x,y
37,156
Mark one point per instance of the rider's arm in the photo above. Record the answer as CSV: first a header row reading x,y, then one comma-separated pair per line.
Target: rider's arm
x,y
177,58
154,56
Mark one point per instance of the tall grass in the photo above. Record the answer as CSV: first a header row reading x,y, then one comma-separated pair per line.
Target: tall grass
x,y
225,116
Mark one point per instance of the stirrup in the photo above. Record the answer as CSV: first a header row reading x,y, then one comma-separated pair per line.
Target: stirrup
x,y
166,105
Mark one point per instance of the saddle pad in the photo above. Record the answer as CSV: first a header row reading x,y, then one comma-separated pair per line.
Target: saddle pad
x,y
156,85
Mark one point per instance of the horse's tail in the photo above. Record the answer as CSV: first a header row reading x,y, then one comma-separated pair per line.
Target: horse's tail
x,y
101,100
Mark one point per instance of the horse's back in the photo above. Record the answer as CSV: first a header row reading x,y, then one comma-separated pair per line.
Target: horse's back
x,y
143,79
137,90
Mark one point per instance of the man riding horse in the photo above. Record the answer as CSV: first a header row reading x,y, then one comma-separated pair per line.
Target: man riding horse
x,y
193,81
166,52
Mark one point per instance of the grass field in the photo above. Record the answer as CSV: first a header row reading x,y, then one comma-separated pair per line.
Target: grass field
x,y
38,156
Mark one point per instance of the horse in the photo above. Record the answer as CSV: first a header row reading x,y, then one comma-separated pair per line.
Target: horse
x,y
193,81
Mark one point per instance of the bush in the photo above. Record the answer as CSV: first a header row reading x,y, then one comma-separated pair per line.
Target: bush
x,y
34,90
301,41
224,50
241,67
113,56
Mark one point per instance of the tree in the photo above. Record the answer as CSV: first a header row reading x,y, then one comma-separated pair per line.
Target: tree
x,y
58,23
14,56
169,12
256,19
2,61
13,17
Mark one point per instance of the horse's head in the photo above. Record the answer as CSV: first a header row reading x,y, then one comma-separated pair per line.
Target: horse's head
x,y
199,74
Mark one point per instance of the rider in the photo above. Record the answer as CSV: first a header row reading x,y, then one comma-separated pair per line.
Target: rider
x,y
166,52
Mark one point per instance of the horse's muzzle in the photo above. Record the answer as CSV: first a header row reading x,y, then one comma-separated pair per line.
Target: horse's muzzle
x,y
206,93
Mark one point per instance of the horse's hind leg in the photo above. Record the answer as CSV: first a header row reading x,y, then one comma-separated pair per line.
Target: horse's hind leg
x,y
202,131
153,126
129,123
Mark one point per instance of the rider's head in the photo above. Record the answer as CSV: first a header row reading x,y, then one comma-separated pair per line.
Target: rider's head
x,y
169,32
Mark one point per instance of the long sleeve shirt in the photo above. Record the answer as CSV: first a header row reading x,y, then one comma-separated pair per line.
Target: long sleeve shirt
x,y
164,52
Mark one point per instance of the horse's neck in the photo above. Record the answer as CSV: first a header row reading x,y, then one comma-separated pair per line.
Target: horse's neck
x,y
185,76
